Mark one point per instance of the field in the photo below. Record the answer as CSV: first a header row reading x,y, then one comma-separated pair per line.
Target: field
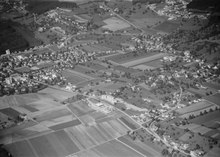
x,y
129,123
10,112
155,63
139,146
55,94
209,120
167,27
142,60
80,108
54,144
115,24
58,130
23,69
93,66
111,148
21,149
149,65
214,99
84,72
143,67
195,128
194,107
51,114
73,78
124,58
213,152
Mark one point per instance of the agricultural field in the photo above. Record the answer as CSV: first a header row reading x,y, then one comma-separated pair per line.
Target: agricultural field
x,y
73,77
201,92
84,72
213,152
145,59
80,108
51,114
23,69
139,146
55,144
155,63
21,149
167,27
10,112
209,120
214,99
94,66
115,24
143,67
55,94
115,148
194,107
213,85
124,58
195,128
128,122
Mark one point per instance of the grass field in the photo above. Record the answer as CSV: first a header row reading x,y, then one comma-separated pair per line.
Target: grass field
x,y
115,24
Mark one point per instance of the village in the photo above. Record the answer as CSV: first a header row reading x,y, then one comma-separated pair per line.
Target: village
x,y
151,91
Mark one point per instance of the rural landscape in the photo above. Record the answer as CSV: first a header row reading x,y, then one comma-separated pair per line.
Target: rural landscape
x,y
109,78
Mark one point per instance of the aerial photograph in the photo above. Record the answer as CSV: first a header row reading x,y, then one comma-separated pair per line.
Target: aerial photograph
x,y
109,78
